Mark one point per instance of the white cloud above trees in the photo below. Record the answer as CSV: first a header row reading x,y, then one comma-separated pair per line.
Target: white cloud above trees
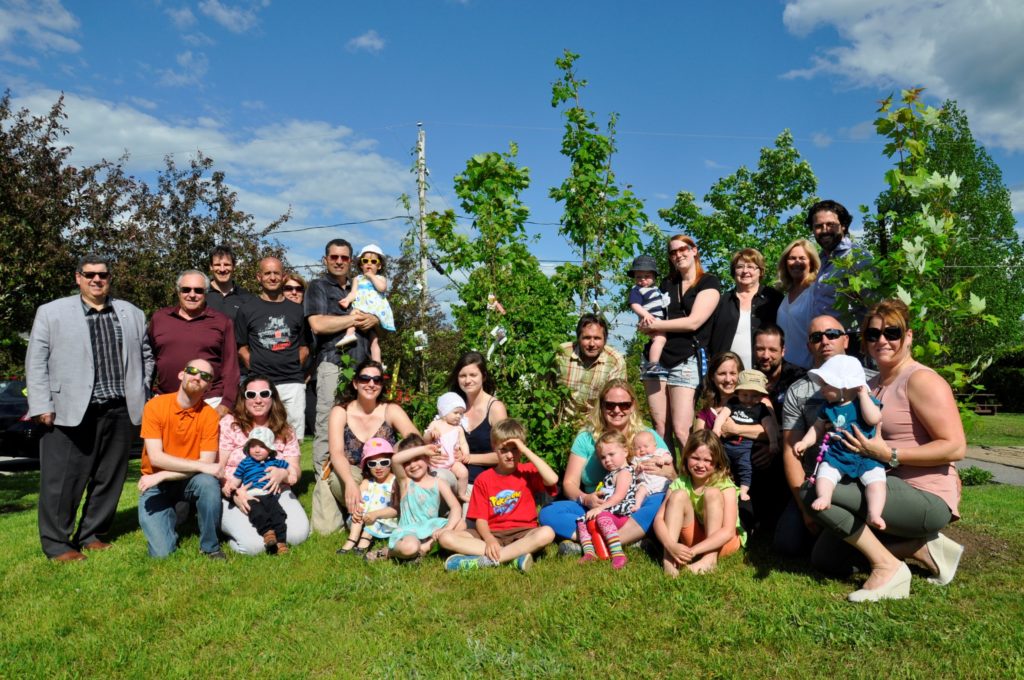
x,y
367,42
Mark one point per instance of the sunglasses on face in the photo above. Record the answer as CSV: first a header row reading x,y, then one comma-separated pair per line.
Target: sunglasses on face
x,y
294,289
192,370
891,333
383,462
369,260
339,258
375,379
185,290
102,276
831,334
620,405
680,249
262,394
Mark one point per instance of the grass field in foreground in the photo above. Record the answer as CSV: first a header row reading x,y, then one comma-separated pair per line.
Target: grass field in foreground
x,y
1003,429
312,613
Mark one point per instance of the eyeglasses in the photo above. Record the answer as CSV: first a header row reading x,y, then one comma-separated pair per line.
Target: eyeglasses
x,y
339,258
192,370
102,276
262,394
831,334
747,267
369,260
294,289
620,405
185,290
681,249
375,379
383,462
891,333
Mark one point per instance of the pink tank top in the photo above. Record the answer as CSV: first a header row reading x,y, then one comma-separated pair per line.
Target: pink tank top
x,y
901,429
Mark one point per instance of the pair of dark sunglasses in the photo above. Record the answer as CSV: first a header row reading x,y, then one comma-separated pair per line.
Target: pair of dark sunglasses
x,y
294,289
621,405
102,276
375,379
383,462
831,334
185,290
891,333
262,394
192,370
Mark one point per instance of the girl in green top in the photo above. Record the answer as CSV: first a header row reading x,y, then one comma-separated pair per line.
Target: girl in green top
x,y
699,520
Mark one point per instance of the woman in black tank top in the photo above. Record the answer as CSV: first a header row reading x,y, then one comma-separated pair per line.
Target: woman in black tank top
x,y
470,380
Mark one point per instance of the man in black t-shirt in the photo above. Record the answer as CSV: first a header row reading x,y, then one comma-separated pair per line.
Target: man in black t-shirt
x,y
271,336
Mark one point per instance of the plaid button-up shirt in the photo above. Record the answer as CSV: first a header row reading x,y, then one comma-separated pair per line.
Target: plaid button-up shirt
x,y
586,382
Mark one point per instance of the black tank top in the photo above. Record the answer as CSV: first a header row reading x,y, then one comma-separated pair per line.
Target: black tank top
x,y
479,441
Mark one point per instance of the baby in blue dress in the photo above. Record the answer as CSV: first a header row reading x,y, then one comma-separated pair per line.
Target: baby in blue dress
x,y
847,402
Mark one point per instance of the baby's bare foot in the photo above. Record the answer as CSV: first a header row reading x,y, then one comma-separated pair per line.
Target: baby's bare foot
x,y
876,522
821,504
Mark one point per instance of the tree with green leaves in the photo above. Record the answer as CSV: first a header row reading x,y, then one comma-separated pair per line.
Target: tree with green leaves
x,y
762,208
506,294
602,223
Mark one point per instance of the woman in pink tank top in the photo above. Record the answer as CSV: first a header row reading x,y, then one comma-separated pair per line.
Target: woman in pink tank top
x,y
920,438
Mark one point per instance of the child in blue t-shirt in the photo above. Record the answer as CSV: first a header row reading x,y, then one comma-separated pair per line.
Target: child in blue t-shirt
x,y
647,301
265,512
847,403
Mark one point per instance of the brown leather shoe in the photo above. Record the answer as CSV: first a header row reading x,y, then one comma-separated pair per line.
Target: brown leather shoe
x,y
97,545
69,556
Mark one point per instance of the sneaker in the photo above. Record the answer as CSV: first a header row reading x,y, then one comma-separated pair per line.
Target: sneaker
x,y
569,548
217,554
524,562
656,370
467,562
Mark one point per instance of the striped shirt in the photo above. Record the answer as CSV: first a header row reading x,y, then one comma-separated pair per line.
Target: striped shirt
x,y
105,333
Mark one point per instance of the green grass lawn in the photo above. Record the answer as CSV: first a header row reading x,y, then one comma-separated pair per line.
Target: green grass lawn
x,y
1004,429
312,613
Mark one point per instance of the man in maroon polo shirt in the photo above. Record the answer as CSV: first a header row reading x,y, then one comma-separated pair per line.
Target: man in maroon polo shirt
x,y
192,330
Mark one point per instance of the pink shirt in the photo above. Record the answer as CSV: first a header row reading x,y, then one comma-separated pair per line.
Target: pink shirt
x,y
901,429
232,439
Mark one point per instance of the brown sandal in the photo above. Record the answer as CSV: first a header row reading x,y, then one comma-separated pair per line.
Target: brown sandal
x,y
377,555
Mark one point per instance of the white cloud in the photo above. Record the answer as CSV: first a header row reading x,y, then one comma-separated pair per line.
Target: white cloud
x,y
198,39
369,42
966,50
1017,199
235,19
181,17
192,68
142,103
821,140
862,130
253,104
42,25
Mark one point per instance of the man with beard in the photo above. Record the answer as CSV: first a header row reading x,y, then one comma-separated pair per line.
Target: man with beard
x,y
830,223
179,463
586,365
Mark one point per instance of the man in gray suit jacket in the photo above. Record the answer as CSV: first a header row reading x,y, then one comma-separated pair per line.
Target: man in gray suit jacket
x,y
88,368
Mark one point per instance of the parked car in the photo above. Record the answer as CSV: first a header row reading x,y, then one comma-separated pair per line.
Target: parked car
x,y
19,435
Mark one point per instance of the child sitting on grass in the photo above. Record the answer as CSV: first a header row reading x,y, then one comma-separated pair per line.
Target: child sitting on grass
x,y
847,403
419,520
265,512
378,517
619,491
699,521
503,505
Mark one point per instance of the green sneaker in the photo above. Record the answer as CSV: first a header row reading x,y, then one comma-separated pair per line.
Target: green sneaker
x,y
467,562
524,562
569,548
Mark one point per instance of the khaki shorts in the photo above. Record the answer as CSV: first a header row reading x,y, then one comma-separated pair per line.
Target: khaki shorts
x,y
506,536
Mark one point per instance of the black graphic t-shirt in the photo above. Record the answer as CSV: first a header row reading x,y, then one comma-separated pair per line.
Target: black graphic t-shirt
x,y
274,332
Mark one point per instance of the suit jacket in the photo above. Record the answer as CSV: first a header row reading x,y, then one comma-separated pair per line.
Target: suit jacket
x,y
59,366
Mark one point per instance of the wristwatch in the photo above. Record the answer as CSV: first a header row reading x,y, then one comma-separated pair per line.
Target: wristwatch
x,y
894,459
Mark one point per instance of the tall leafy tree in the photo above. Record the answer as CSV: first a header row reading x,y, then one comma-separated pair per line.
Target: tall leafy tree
x,y
602,223
762,208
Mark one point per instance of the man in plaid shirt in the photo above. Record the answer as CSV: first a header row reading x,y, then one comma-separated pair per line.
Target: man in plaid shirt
x,y
586,365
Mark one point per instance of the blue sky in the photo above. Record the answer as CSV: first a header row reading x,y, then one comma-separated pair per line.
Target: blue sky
x,y
313,106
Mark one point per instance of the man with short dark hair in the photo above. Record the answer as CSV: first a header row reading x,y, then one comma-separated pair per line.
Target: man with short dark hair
x,y
223,294
830,222
271,335
192,330
586,365
328,321
179,463
769,348
88,367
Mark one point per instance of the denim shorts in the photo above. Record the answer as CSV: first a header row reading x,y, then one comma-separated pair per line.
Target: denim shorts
x,y
683,374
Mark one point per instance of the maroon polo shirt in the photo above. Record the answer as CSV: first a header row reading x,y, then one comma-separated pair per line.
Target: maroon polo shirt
x,y
177,341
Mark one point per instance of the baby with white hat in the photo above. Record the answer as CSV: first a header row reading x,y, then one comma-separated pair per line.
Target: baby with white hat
x,y
848,403
446,431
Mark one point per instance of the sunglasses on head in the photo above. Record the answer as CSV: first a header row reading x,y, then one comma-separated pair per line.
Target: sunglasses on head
x,y
294,289
375,379
831,334
621,405
262,394
369,260
185,290
102,276
891,333
192,370
383,462
339,258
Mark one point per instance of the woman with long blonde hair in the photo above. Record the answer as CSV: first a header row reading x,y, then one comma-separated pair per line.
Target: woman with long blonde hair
x,y
798,270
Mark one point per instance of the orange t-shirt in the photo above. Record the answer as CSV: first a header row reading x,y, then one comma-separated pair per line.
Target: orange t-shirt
x,y
184,431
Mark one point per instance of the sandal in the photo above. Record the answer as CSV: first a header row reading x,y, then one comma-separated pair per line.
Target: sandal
x,y
349,544
376,555
362,547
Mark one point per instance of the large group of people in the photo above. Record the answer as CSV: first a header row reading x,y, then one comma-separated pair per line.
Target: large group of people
x,y
745,384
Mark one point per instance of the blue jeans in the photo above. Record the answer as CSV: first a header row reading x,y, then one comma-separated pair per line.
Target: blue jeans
x,y
157,516
562,515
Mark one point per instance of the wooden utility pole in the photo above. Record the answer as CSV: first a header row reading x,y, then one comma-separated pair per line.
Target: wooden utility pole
x,y
421,191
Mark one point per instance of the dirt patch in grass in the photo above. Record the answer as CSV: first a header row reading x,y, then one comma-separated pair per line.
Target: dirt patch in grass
x,y
980,548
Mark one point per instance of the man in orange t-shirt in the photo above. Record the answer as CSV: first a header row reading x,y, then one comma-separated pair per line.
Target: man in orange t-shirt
x,y
179,463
